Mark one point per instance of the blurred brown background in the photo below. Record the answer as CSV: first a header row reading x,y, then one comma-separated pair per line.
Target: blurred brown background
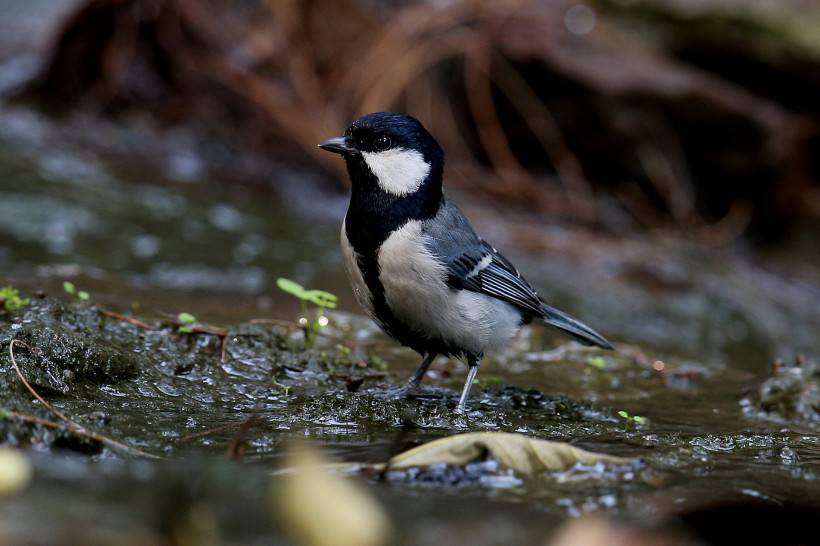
x,y
699,116
649,158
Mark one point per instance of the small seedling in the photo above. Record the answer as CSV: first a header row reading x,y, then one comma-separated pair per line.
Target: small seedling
x,y
329,366
632,419
490,381
188,321
377,363
310,322
284,389
11,300
71,290
597,362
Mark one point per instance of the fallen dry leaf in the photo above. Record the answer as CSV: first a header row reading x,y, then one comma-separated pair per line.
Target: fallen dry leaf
x,y
523,455
15,471
321,508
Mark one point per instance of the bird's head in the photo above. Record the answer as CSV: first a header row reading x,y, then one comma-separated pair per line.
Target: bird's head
x,y
389,152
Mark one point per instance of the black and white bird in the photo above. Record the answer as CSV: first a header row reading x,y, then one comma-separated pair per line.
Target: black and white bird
x,y
416,264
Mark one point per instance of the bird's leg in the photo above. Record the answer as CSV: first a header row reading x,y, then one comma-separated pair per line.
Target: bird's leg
x,y
415,381
412,389
473,361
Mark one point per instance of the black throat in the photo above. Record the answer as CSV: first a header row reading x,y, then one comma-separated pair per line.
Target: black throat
x,y
372,216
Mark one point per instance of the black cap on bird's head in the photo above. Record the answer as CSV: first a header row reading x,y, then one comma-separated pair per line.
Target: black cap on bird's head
x,y
392,149
382,131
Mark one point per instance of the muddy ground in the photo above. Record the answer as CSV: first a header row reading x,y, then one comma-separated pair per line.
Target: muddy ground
x,y
709,434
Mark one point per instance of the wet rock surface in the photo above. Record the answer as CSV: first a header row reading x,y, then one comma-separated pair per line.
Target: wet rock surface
x,y
113,373
63,348
792,393
248,390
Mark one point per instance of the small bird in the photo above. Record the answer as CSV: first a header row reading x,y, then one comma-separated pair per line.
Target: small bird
x,y
414,261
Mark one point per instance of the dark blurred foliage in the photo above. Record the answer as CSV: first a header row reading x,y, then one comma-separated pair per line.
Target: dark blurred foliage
x,y
616,114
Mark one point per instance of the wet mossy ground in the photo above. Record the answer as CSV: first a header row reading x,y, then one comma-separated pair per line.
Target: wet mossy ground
x,y
165,390
790,394
194,399
161,387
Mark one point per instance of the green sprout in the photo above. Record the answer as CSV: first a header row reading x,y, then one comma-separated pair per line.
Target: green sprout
x,y
377,363
597,362
284,389
72,291
11,300
188,321
310,322
632,419
489,381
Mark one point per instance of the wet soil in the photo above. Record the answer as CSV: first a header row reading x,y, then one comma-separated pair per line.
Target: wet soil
x,y
173,395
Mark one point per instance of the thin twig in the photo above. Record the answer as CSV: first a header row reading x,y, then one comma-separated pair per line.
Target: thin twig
x,y
223,335
130,320
72,426
218,332
223,350
195,328
278,322
203,433
485,115
236,449
4,413
546,129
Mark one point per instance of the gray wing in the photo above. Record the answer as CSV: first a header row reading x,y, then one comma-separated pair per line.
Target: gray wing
x,y
488,272
473,264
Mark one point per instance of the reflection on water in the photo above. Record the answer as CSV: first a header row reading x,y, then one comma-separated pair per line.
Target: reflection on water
x,y
147,219
134,229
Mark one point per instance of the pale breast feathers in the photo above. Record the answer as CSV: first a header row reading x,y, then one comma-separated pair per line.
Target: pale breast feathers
x,y
354,274
415,287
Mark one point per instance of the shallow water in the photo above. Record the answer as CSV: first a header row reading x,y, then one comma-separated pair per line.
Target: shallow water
x,y
171,396
162,231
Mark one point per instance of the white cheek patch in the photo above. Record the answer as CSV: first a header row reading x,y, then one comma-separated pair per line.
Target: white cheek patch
x,y
398,170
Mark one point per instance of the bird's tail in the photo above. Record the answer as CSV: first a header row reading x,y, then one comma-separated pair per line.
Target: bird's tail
x,y
573,328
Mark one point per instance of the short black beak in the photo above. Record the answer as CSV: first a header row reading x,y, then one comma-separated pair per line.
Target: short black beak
x,y
338,145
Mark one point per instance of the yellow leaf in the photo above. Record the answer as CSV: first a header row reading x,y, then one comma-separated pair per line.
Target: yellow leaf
x,y
15,471
523,455
319,507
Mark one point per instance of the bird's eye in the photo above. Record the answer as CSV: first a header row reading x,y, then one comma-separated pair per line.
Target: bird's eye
x,y
382,143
